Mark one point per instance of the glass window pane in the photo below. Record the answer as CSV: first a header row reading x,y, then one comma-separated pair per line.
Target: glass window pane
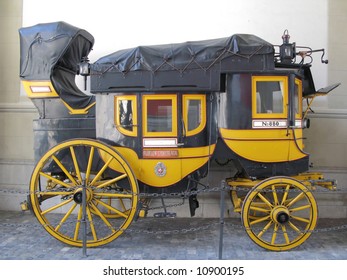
x,y
159,115
125,114
194,114
269,97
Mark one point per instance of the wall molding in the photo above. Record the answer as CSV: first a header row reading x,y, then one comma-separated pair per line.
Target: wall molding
x,y
17,162
17,108
330,169
328,114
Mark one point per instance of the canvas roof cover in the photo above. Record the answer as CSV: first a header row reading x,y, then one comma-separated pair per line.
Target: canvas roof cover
x,y
183,56
52,51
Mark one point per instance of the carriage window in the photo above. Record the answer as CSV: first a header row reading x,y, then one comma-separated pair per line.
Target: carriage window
x,y
270,96
160,115
194,113
297,98
126,115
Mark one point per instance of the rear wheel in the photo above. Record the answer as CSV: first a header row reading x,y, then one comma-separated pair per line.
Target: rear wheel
x,y
279,213
56,189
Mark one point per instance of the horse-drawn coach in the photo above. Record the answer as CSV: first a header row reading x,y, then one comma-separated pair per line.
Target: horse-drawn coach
x,y
157,116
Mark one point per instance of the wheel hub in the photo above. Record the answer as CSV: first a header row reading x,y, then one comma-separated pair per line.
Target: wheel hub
x,y
280,214
282,217
78,195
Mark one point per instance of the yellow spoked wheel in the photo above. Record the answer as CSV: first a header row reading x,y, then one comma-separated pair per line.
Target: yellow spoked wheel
x,y
279,213
56,191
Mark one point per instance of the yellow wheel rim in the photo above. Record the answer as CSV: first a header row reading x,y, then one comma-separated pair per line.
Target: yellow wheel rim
x,y
56,187
279,213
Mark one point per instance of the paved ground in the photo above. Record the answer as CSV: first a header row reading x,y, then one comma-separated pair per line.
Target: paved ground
x,y
22,238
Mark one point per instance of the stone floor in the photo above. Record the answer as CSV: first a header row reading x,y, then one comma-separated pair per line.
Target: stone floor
x,y
22,238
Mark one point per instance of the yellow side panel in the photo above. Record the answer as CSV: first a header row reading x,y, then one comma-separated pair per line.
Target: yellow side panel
x,y
187,161
264,145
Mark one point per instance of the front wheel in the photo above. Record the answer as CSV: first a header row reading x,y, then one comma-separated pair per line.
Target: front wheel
x,y
56,189
279,213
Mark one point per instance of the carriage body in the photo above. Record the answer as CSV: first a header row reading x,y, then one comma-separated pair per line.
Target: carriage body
x,y
158,116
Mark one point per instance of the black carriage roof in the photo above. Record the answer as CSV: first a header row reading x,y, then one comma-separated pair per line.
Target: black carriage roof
x,y
193,65
52,51
44,45
182,56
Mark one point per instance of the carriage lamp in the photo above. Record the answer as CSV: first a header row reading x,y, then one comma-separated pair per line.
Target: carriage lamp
x,y
84,70
287,50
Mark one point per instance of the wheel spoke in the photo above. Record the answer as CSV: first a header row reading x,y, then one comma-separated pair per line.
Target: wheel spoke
x,y
109,200
259,209
116,195
285,234
122,204
260,220
56,206
110,182
89,166
102,217
274,234
65,217
109,207
92,227
265,229
96,178
285,194
56,180
74,159
274,194
295,228
78,224
301,208
62,167
263,198
296,199
54,193
300,219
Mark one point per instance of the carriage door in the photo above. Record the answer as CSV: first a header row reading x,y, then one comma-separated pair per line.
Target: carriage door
x,y
276,116
270,117
174,143
160,142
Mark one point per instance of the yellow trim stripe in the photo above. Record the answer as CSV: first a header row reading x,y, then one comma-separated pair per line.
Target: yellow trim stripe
x,y
39,89
82,111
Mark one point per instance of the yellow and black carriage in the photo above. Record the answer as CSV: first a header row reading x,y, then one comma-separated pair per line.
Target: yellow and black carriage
x,y
155,119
